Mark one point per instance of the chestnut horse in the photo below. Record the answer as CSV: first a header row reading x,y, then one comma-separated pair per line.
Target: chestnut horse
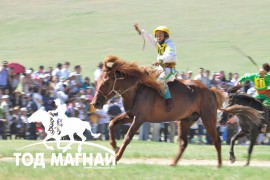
x,y
142,100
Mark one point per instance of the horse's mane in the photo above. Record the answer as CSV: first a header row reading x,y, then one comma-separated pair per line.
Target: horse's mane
x,y
244,112
247,97
145,75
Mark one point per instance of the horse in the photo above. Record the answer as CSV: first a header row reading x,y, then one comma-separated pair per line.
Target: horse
x,y
69,127
143,102
251,129
249,121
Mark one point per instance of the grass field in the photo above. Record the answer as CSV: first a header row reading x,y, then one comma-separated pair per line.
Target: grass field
x,y
139,149
83,32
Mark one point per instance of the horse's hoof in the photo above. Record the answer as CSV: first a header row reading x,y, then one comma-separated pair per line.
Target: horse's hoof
x,y
117,157
232,159
173,164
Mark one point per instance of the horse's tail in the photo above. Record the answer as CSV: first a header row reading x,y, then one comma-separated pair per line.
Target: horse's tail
x,y
90,129
220,98
245,111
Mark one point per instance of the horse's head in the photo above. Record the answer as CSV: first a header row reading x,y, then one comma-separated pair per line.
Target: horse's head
x,y
108,83
225,116
119,76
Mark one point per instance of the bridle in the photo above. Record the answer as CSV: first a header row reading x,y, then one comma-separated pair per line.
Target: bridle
x,y
117,92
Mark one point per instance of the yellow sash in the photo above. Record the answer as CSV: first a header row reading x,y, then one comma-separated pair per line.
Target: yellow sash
x,y
161,48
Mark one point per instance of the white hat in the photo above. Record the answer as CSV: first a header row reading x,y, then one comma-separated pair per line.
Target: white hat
x,y
72,74
23,109
29,71
5,96
83,97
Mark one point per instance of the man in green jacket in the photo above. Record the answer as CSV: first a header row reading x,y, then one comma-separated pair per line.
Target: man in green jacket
x,y
261,82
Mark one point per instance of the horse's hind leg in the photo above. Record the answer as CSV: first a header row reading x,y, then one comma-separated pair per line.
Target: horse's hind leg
x,y
239,134
210,126
122,119
253,138
128,137
183,126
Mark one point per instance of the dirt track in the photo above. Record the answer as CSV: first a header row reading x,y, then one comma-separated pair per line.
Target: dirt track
x,y
160,161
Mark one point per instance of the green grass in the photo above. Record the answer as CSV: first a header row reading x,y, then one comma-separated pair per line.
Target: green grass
x,y
84,32
142,149
133,172
137,149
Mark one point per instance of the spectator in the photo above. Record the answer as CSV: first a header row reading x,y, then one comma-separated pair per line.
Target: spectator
x,y
4,75
113,111
23,117
27,82
181,75
16,98
103,122
86,83
15,123
144,131
201,77
39,72
98,71
90,93
235,78
65,72
37,98
57,70
189,75
49,71
5,107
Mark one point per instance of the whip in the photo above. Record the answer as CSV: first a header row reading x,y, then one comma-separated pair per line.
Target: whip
x,y
240,51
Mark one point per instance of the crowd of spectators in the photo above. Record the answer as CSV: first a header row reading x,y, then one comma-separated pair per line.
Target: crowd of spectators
x,y
40,88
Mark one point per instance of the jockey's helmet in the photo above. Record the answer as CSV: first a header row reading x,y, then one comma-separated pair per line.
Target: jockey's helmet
x,y
162,28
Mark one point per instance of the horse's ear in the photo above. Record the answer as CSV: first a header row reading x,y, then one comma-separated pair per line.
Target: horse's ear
x,y
109,65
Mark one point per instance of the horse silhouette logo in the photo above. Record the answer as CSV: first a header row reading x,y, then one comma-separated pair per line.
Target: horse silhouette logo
x,y
57,126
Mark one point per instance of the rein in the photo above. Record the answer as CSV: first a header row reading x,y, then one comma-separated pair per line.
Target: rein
x,y
117,92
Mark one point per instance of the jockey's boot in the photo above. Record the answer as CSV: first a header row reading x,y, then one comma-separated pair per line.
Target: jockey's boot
x,y
169,104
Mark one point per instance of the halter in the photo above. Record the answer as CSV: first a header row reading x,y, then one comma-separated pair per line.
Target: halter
x,y
117,92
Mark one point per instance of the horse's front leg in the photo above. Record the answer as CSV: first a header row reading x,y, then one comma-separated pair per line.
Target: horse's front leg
x,y
137,122
121,119
239,134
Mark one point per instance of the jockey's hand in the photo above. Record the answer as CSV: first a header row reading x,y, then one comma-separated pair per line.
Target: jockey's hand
x,y
156,63
136,26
